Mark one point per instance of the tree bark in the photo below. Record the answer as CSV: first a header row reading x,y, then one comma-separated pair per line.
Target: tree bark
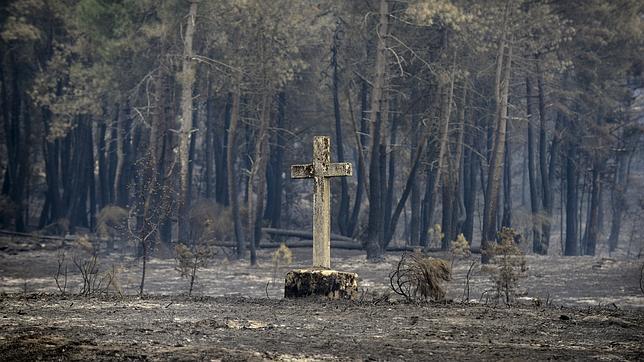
x,y
507,184
535,197
187,79
209,149
470,171
359,150
414,219
221,169
391,174
618,194
443,149
274,171
120,156
592,227
373,245
495,170
258,171
230,163
343,215
572,203
546,178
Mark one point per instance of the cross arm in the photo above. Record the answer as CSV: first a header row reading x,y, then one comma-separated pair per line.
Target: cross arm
x,y
302,171
339,169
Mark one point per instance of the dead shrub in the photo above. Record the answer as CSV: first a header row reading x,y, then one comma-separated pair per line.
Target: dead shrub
x,y
59,227
94,282
507,265
210,221
420,276
61,273
112,222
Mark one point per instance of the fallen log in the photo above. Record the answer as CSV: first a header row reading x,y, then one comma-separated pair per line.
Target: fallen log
x,y
344,243
335,244
303,234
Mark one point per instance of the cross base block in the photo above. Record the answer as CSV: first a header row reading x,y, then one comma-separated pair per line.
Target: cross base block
x,y
327,283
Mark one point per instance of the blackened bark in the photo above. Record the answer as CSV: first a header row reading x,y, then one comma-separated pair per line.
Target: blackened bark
x,y
274,170
118,146
260,162
469,191
126,174
374,227
51,211
360,175
546,178
428,202
572,203
618,199
414,223
191,152
112,156
19,190
230,163
497,156
343,215
507,184
592,228
411,181
91,182
469,178
391,174
209,150
103,183
221,170
535,199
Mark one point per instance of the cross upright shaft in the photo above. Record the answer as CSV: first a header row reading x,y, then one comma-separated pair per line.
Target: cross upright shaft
x,y
321,170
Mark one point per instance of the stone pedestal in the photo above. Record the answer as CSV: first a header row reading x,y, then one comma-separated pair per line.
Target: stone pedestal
x,y
321,282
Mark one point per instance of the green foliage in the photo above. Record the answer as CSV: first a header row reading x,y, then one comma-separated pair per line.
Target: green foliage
x,y
427,12
19,26
282,257
460,247
435,236
190,260
507,266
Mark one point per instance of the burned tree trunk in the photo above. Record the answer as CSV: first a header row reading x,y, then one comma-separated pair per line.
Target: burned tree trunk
x,y
187,80
274,170
230,157
343,215
535,198
374,229
496,162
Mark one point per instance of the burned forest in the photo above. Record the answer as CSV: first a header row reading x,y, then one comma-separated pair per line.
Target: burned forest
x,y
316,179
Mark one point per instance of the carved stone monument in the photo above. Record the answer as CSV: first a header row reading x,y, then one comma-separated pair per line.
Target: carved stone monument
x,y
321,280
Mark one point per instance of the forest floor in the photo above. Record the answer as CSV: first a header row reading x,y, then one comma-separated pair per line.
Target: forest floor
x,y
570,308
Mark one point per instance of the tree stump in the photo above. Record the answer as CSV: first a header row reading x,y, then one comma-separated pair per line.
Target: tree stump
x,y
321,282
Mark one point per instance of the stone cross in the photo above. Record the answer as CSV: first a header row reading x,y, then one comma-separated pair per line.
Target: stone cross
x,y
320,171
